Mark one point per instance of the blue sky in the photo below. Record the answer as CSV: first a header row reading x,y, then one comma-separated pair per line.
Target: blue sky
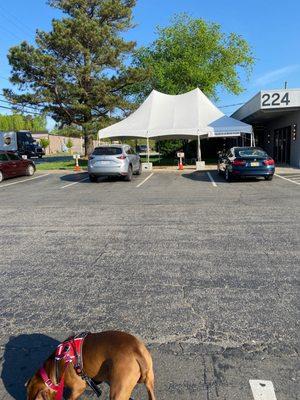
x,y
271,28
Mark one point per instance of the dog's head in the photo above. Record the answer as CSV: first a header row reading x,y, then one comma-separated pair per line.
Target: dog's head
x,y
37,390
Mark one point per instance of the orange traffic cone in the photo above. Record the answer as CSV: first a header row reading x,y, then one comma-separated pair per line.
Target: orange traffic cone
x,y
77,167
180,165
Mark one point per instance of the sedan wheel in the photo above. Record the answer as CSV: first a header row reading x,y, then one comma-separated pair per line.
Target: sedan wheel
x,y
228,176
1,176
30,170
269,177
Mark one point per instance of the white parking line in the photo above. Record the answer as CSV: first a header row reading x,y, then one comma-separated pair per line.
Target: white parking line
x,y
74,183
287,179
262,390
211,179
145,180
25,180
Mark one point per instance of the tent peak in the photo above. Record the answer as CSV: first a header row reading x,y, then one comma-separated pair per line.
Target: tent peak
x,y
154,91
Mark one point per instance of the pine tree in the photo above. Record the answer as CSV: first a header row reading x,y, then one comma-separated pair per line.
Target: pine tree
x,y
78,72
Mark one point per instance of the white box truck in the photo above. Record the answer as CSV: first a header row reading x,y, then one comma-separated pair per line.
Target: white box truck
x,y
22,143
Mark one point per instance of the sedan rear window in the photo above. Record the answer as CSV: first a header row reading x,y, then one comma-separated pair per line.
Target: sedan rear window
x,y
107,151
250,153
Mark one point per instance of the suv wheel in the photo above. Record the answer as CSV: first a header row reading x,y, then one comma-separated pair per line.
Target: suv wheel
x,y
128,177
93,178
139,171
1,176
30,170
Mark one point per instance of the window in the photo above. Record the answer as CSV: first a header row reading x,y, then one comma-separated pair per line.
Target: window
x,y
107,151
13,157
250,152
3,157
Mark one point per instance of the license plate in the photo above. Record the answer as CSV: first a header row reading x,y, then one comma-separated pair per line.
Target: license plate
x,y
98,163
254,164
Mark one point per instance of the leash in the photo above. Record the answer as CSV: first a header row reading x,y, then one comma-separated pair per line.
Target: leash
x,y
71,352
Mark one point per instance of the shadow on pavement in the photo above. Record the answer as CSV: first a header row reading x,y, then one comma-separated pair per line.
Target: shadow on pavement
x,y
83,177
200,176
23,355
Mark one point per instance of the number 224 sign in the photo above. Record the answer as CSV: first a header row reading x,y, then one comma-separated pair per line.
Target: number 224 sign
x,y
275,99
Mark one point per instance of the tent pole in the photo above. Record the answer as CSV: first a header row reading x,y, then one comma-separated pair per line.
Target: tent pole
x,y
199,148
148,150
251,140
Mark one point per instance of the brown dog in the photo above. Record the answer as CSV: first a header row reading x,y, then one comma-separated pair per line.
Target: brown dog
x,y
114,357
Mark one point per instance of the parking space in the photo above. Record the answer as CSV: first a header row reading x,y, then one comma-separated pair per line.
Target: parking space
x,y
203,270
293,177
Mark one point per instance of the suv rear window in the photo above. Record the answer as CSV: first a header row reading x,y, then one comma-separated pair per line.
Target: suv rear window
x,y
250,152
107,151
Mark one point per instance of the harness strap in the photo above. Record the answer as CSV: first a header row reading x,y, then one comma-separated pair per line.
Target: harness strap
x,y
71,352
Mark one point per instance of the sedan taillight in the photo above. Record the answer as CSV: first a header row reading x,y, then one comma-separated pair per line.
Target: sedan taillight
x,y
270,161
122,157
239,163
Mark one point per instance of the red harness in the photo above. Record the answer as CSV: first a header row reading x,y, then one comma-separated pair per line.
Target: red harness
x,y
71,352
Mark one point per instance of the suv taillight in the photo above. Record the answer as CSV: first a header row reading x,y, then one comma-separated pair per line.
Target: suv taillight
x,y
122,157
239,163
270,161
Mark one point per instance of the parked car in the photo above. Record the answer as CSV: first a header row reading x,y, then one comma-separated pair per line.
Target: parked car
x,y
246,162
11,164
142,148
114,160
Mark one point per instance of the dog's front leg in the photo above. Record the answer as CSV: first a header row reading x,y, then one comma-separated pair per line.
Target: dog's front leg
x,y
77,389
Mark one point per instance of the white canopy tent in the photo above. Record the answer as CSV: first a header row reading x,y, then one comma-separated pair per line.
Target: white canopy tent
x,y
187,116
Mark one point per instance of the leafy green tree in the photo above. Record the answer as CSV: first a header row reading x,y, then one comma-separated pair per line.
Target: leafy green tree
x,y
68,131
169,147
78,72
193,53
44,142
17,122
69,144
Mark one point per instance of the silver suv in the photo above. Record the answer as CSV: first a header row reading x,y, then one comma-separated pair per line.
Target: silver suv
x,y
114,160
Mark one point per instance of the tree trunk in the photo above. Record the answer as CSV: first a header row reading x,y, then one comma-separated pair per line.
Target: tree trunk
x,y
88,144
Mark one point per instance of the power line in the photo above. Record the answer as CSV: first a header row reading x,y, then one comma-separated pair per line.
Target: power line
x,y
20,105
11,33
231,105
2,77
15,21
26,111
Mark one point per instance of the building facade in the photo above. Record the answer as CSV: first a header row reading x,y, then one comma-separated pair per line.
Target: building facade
x,y
275,117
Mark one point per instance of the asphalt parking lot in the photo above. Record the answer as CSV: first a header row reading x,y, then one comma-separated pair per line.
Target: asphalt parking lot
x,y
203,270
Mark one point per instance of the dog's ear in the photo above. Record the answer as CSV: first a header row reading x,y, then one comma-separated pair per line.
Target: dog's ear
x,y
43,395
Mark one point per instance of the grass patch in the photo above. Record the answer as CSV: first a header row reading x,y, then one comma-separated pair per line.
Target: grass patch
x,y
173,161
65,164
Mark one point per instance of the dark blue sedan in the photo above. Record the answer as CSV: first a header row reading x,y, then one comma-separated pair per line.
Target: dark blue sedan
x,y
241,162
